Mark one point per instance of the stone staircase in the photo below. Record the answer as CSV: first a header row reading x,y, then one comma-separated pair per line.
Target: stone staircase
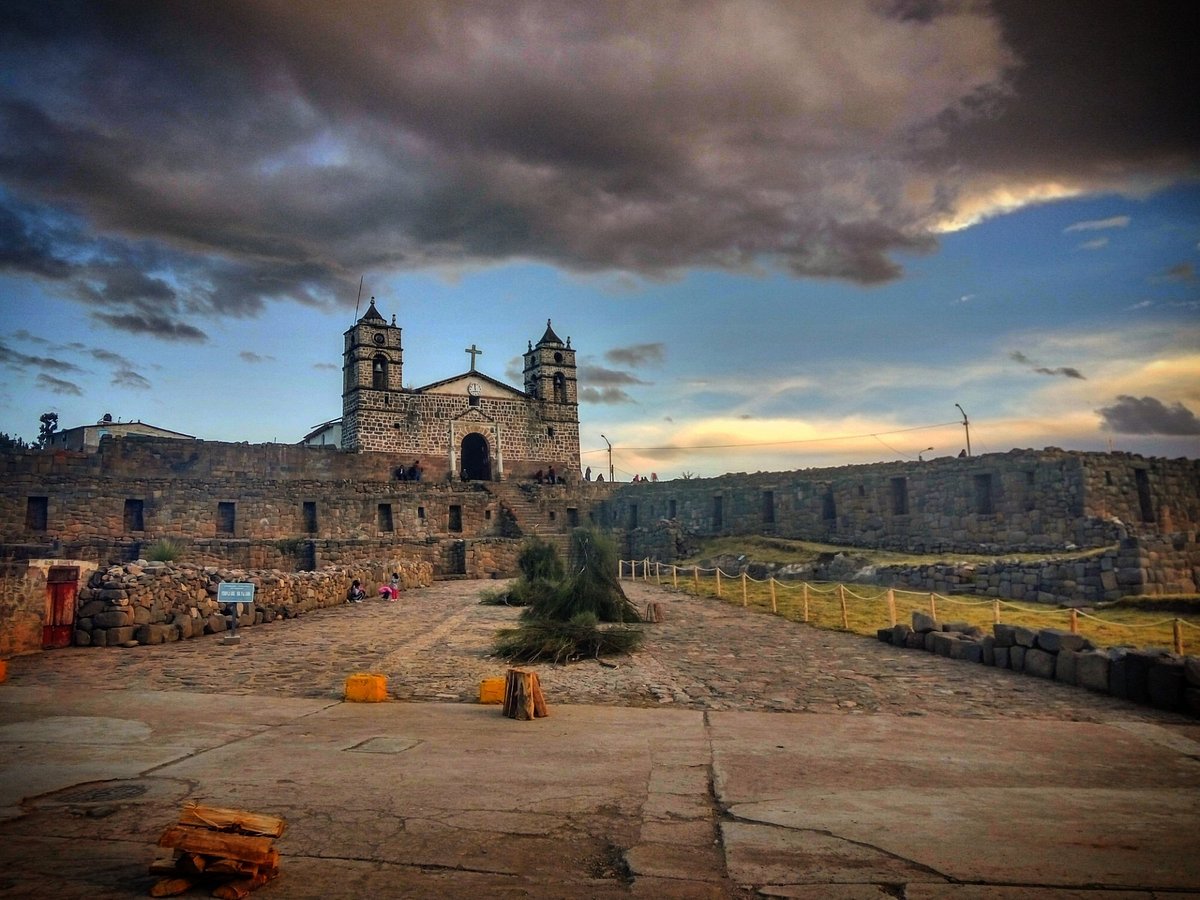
x,y
530,506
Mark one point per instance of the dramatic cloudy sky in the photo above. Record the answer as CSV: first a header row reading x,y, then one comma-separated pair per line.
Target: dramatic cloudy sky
x,y
778,234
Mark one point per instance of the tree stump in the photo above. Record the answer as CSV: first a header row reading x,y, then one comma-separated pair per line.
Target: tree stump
x,y
653,613
523,697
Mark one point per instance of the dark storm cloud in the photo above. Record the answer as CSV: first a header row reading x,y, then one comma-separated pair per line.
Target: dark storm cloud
x,y
58,386
1065,371
1148,415
170,163
637,354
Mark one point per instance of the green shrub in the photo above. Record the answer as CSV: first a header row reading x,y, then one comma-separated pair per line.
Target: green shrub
x,y
165,550
540,560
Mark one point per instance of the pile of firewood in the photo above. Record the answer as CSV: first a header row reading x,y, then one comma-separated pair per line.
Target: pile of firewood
x,y
230,851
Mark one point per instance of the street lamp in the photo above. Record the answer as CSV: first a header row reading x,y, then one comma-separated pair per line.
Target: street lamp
x,y
610,468
966,428
920,457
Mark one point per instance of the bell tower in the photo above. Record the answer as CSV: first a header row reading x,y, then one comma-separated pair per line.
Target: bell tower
x,y
372,381
550,371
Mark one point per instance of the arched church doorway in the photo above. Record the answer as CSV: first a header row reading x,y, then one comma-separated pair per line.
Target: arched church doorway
x,y
476,462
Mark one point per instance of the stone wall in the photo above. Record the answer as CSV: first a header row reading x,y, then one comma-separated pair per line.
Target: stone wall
x,y
154,603
1023,501
1154,676
1152,566
22,611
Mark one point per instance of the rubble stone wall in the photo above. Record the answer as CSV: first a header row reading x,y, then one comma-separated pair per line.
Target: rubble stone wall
x,y
154,603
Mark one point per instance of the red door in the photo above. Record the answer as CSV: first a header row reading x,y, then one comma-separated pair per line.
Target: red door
x,y
61,586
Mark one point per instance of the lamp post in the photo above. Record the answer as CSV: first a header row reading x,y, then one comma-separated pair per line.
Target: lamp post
x,y
966,428
610,468
920,456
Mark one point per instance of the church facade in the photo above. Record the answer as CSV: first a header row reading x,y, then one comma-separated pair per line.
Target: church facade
x,y
468,427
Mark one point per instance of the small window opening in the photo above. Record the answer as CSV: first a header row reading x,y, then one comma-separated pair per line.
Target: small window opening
x,y
572,517
984,505
226,517
828,507
455,519
633,515
718,513
37,513
134,515
420,512
670,509
768,507
385,517
310,517
550,431
899,496
379,372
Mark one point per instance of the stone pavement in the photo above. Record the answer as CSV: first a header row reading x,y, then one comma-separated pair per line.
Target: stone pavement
x,y
736,755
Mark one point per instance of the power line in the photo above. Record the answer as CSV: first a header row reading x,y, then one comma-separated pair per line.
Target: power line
x,y
844,437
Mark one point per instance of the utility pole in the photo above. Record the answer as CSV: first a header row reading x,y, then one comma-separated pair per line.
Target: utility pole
x,y
966,428
610,468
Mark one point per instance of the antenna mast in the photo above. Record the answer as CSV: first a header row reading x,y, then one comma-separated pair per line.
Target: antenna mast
x,y
359,300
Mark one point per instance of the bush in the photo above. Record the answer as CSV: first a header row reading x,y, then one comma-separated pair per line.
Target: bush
x,y
164,550
562,621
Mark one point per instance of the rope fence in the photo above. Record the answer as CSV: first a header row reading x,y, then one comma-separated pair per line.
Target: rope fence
x,y
864,608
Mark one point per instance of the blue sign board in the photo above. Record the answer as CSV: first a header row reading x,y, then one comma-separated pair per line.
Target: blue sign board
x,y
235,592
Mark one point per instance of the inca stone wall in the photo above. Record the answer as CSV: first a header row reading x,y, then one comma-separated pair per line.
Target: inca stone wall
x,y
1024,501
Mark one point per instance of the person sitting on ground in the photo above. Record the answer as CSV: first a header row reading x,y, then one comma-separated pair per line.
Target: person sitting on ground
x,y
356,594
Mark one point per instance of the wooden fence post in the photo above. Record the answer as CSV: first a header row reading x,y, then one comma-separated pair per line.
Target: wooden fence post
x,y
1074,621
718,581
696,576
806,601
933,605
774,608
674,576
842,598
891,602
1179,636
646,569
996,611
745,599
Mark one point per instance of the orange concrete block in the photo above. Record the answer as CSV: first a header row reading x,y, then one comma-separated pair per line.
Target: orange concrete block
x,y
491,690
366,687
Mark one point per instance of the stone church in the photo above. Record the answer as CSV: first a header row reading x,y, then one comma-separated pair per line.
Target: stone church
x,y
468,427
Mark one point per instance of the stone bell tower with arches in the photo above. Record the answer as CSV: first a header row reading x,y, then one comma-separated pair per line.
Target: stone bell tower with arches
x,y
372,382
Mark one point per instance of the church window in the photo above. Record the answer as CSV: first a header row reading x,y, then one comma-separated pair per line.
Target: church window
x,y
420,512
473,400
379,373
134,520
37,513
560,388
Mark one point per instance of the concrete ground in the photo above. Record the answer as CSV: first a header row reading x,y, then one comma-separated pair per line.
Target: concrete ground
x,y
737,755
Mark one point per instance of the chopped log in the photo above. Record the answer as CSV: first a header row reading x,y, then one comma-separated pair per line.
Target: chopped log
x,y
236,890
523,697
191,863
249,848
239,820
653,612
172,887
164,865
